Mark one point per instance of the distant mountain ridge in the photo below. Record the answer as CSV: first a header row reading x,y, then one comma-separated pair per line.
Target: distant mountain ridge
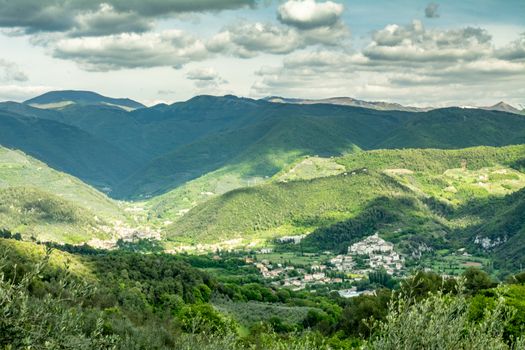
x,y
61,99
349,101
504,107
381,105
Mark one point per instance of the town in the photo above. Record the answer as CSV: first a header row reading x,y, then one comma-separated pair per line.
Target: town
x,y
363,257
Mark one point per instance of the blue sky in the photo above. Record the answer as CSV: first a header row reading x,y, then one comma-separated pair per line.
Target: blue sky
x,y
414,52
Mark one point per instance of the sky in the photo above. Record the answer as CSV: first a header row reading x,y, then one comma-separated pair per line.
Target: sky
x,y
421,53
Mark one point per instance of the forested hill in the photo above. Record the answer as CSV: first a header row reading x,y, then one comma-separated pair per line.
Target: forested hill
x,y
148,151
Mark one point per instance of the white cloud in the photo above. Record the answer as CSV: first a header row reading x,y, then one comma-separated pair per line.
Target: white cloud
x,y
404,63
167,48
309,14
415,44
203,74
21,92
246,40
207,80
9,71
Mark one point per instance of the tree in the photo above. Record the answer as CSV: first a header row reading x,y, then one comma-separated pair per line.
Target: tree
x,y
441,321
477,280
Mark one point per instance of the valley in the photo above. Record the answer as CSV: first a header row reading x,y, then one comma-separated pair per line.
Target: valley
x,y
288,213
262,175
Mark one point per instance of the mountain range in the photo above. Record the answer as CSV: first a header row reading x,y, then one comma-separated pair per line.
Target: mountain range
x,y
149,151
212,170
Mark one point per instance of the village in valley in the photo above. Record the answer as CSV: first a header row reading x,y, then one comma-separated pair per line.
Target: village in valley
x,y
362,258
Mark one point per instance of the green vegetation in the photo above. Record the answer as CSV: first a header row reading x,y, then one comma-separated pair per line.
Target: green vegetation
x,y
39,215
233,173
429,179
300,204
120,300
20,170
150,151
44,204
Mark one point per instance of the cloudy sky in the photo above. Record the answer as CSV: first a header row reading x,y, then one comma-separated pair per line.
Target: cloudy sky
x,y
469,52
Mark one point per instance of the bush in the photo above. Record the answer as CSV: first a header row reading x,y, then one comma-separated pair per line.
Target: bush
x,y
441,321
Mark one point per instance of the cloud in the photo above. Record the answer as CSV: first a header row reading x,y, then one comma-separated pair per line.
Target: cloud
x,y
309,14
515,51
246,40
415,44
21,93
431,11
59,15
9,71
106,20
129,50
205,78
404,63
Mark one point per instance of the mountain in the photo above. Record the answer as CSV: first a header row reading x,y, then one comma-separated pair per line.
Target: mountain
x,y
349,101
504,107
61,99
66,148
406,194
278,134
40,202
150,151
457,128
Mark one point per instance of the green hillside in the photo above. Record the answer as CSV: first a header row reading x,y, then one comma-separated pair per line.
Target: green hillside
x,y
151,151
271,143
457,128
281,208
65,147
42,216
18,170
413,192
40,202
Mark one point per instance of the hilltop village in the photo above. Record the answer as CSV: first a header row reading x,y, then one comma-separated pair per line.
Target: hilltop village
x,y
362,258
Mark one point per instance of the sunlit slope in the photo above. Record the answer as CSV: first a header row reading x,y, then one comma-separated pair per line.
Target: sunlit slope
x,y
40,202
421,185
18,170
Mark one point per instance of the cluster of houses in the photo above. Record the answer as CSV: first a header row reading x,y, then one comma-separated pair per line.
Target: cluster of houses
x,y
295,278
378,253
370,254
120,230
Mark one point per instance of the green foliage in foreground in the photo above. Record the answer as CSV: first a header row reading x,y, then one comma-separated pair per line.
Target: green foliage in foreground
x,y
123,300
443,322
